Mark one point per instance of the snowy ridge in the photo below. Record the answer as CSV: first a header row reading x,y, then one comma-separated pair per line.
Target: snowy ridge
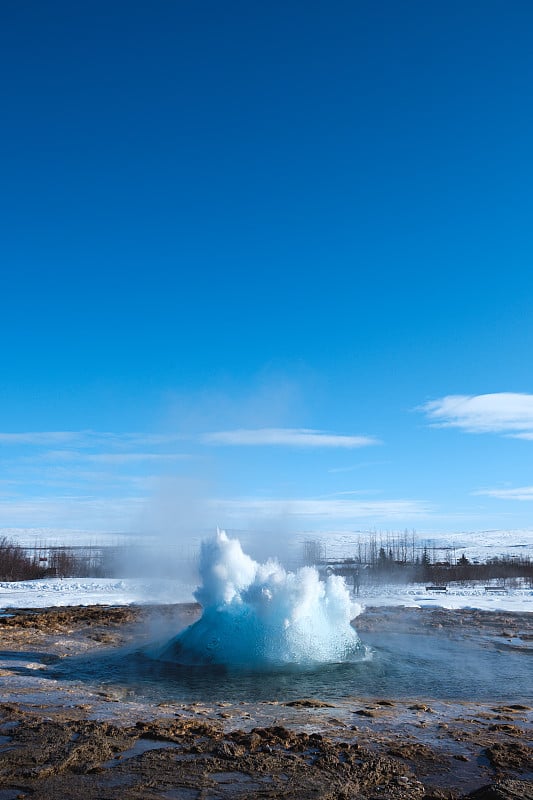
x,y
476,545
67,537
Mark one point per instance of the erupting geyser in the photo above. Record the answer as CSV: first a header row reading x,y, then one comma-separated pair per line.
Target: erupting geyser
x,y
260,616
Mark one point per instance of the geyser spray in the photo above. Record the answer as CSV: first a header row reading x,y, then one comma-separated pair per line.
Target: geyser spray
x,y
260,616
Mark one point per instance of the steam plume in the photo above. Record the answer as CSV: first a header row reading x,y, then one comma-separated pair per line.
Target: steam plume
x,y
260,616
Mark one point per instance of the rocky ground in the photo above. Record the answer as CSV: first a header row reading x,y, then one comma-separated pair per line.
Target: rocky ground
x,y
70,741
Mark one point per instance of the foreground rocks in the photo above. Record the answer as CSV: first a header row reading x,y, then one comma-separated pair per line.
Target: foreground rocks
x,y
183,758
78,742
66,755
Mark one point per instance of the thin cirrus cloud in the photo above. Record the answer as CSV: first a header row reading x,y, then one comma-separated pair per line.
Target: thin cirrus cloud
x,y
131,458
86,446
87,438
325,509
84,512
39,437
109,458
520,493
288,437
508,413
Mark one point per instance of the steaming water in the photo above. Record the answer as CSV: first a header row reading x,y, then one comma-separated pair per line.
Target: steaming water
x,y
267,634
402,665
259,617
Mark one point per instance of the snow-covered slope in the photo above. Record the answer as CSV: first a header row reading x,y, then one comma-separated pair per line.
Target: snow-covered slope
x,y
89,591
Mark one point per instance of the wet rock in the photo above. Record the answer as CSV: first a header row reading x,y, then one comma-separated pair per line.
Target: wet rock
x,y
413,751
512,730
228,750
180,730
308,703
511,708
504,790
510,756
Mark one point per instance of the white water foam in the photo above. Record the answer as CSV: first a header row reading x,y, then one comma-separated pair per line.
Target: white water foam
x,y
260,616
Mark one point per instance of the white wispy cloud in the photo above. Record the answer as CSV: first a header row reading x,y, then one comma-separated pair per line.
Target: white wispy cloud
x,y
520,493
153,439
74,454
40,438
510,413
68,511
325,509
360,465
80,479
88,438
107,458
123,511
289,437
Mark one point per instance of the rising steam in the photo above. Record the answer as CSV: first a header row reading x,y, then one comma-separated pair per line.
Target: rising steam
x,y
260,616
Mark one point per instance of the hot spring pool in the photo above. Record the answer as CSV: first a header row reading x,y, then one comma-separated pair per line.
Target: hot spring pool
x,y
402,665
259,616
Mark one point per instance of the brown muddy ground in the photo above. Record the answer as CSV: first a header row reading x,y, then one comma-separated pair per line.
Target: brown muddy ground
x,y
68,741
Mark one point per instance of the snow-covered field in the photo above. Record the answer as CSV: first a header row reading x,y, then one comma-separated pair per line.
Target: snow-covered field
x,y
110,591
89,591
472,595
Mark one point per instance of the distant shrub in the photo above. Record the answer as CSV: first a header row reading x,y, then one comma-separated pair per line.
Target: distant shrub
x,y
16,564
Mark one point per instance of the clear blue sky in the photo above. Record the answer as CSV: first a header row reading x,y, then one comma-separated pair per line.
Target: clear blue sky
x,y
257,248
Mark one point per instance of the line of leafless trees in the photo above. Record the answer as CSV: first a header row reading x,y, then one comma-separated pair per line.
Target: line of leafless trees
x,y
400,558
403,558
19,563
